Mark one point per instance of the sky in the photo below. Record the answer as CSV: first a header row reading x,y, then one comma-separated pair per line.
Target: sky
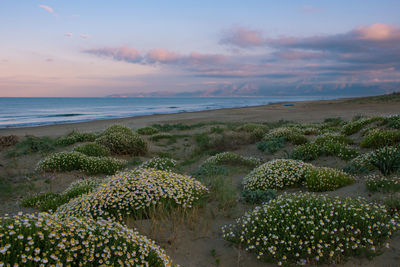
x,y
203,48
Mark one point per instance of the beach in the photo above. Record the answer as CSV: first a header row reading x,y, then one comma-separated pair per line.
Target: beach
x,y
193,237
305,111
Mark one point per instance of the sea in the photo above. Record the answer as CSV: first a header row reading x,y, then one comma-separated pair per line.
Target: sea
x,y
16,112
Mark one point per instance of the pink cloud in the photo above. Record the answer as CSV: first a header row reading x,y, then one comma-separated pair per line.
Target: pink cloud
x,y
242,37
162,55
122,53
377,32
47,8
69,34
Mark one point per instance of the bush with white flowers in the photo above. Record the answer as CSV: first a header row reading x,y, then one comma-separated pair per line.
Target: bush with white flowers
x,y
277,174
162,164
134,193
312,229
229,158
293,135
48,240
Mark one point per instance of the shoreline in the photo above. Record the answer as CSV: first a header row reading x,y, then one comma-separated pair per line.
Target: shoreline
x,y
302,111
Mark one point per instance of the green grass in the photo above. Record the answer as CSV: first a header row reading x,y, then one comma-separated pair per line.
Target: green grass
x,y
32,145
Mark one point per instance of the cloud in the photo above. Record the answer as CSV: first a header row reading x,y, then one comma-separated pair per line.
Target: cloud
x,y
84,36
242,37
68,34
47,8
122,53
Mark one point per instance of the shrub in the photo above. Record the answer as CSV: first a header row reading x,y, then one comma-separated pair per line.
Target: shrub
x,y
70,161
222,142
392,204
290,134
162,164
379,138
44,239
386,159
271,145
7,141
326,179
258,196
333,122
393,122
122,140
230,158
360,164
257,130
277,174
326,144
312,229
75,137
51,201
379,183
355,126
147,130
32,145
93,149
135,193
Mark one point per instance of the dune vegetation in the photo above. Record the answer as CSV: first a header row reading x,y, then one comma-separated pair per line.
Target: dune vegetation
x,y
286,193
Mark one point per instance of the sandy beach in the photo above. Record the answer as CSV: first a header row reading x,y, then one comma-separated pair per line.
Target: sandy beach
x,y
307,111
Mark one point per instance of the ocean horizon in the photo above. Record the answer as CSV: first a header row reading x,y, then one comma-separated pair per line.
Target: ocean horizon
x,y
18,112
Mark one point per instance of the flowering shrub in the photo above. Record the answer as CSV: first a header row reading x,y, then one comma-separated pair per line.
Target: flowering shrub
x,y
312,229
134,193
69,161
257,130
230,158
120,139
386,159
326,179
277,174
93,149
376,183
326,144
162,164
290,134
44,239
355,126
75,137
360,164
147,130
379,138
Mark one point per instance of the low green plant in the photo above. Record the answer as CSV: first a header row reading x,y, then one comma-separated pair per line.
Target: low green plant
x,y
32,145
379,183
360,164
93,149
51,201
271,145
312,229
392,204
258,196
208,170
75,137
120,139
380,138
147,130
393,122
324,179
333,122
70,161
216,130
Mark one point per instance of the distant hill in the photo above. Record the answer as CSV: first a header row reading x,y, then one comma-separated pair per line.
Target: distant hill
x,y
257,89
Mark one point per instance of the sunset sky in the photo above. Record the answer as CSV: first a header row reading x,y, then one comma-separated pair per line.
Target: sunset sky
x,y
100,48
